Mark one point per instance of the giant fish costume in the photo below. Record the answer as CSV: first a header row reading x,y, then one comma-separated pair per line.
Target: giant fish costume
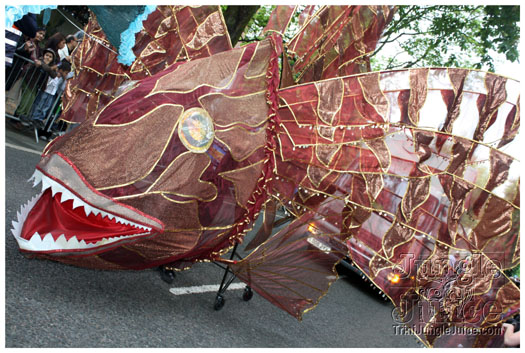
x,y
411,166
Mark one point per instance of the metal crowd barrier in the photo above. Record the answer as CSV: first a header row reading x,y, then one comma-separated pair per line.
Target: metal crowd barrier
x,y
17,87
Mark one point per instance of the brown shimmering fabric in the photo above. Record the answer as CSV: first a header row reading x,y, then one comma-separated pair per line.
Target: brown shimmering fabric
x,y
196,74
288,270
280,19
413,174
240,178
88,146
182,178
373,95
337,40
171,34
418,94
330,99
211,27
131,152
412,195
235,141
224,109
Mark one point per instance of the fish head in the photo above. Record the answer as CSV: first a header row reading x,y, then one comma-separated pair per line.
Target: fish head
x,y
176,163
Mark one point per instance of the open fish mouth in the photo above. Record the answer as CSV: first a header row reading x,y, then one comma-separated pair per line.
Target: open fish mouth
x,y
83,221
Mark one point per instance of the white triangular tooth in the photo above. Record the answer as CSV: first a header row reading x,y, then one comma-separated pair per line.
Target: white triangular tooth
x,y
110,216
103,214
88,209
35,242
77,202
73,243
36,182
95,211
24,212
61,242
16,229
55,187
36,177
48,243
45,183
33,201
66,195
90,245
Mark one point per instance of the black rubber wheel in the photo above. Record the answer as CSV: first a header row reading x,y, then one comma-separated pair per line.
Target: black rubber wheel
x,y
167,276
248,294
219,302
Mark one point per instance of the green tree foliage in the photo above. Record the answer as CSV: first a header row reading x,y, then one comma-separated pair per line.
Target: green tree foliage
x,y
439,35
460,36
254,28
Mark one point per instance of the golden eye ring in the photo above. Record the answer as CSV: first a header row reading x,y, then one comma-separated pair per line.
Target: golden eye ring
x,y
196,130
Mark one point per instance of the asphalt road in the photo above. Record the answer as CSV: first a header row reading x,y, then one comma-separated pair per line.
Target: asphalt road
x,y
49,304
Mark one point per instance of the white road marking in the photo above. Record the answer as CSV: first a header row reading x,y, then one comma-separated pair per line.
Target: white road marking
x,y
23,148
204,288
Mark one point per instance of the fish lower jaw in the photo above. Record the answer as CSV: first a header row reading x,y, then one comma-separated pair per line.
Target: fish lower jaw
x,y
62,240
39,243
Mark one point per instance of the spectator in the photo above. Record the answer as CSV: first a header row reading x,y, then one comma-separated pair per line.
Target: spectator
x,y
47,97
25,26
29,49
56,42
65,52
511,337
34,81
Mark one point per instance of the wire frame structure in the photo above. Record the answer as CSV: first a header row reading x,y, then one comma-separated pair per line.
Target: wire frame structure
x,y
413,173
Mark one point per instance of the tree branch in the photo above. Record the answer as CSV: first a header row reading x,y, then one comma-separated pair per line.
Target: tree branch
x,y
236,18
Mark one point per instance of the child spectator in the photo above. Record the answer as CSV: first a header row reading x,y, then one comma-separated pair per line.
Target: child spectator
x,y
56,42
43,68
47,97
